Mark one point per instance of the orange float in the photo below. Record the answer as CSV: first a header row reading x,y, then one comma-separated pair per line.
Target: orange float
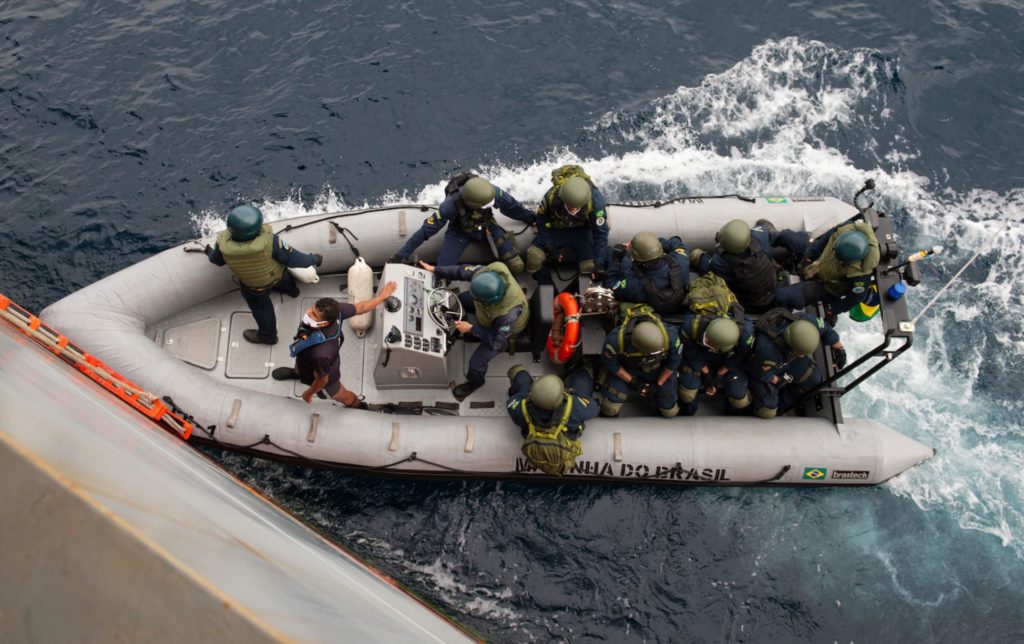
x,y
565,329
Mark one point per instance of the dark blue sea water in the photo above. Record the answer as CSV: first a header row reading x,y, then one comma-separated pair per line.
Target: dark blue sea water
x,y
129,127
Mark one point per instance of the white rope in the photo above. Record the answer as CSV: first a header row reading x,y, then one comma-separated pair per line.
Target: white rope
x,y
984,247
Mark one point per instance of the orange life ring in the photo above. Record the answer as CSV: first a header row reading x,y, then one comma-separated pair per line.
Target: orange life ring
x,y
565,329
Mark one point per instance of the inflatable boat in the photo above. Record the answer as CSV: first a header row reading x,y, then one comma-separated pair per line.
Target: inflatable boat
x,y
173,323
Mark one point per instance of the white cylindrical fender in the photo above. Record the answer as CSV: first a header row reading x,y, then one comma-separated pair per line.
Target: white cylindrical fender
x,y
360,288
306,275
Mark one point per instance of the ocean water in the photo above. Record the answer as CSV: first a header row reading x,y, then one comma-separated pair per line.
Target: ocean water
x,y
126,128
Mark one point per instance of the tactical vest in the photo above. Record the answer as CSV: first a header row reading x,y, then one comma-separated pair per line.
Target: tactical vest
x,y
548,448
553,205
633,315
755,275
514,296
252,261
317,336
668,299
470,220
832,272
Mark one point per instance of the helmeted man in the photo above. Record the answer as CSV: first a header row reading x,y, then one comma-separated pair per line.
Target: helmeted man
x,y
317,348
467,211
500,312
655,271
551,415
715,351
743,258
781,366
572,224
259,259
840,273
643,355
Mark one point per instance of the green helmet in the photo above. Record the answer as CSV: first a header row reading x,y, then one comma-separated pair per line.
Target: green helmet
x,y
734,236
477,192
547,392
648,338
851,246
487,287
245,222
722,334
575,193
802,337
645,247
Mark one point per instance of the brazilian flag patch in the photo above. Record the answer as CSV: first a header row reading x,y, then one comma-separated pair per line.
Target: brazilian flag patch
x,y
815,473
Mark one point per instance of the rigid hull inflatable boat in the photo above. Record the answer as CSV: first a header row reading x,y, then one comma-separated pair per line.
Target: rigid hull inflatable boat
x,y
173,324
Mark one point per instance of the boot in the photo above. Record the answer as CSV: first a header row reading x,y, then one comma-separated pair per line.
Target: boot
x,y
253,336
463,391
284,373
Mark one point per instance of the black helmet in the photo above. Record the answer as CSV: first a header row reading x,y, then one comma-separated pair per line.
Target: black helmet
x,y
477,192
645,247
851,246
734,236
547,392
487,287
245,222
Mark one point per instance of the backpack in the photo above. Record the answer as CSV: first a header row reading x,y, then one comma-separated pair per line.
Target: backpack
x,y
548,448
563,173
631,315
771,324
710,295
455,183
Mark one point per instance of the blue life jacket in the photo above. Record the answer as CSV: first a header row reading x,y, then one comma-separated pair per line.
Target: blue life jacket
x,y
311,340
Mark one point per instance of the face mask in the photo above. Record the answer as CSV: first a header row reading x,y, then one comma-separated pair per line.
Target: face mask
x,y
308,321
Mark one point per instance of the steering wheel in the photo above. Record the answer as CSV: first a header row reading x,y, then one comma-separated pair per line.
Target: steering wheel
x,y
444,309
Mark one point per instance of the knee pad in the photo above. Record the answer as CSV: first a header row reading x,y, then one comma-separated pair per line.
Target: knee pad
x,y
687,395
535,257
671,412
515,264
740,403
765,412
610,409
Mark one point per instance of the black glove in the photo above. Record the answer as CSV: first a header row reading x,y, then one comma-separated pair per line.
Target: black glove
x,y
396,259
319,259
636,385
618,252
839,356
208,250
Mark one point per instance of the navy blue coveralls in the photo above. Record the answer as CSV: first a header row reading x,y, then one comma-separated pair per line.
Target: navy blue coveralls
x,y
259,302
456,240
616,389
624,278
579,385
769,360
585,239
697,356
493,339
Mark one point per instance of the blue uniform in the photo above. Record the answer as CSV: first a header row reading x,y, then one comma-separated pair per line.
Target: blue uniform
x,y
580,238
772,360
616,390
653,282
697,357
457,238
259,301
494,339
579,386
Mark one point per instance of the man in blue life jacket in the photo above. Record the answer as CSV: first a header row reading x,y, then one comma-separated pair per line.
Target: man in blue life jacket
x,y
642,355
317,348
652,270
259,259
467,211
572,224
781,366
551,415
840,273
715,351
744,259
498,310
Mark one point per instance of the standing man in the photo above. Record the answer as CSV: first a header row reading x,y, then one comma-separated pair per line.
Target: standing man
x,y
259,260
572,224
317,348
467,212
551,415
500,310
655,271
